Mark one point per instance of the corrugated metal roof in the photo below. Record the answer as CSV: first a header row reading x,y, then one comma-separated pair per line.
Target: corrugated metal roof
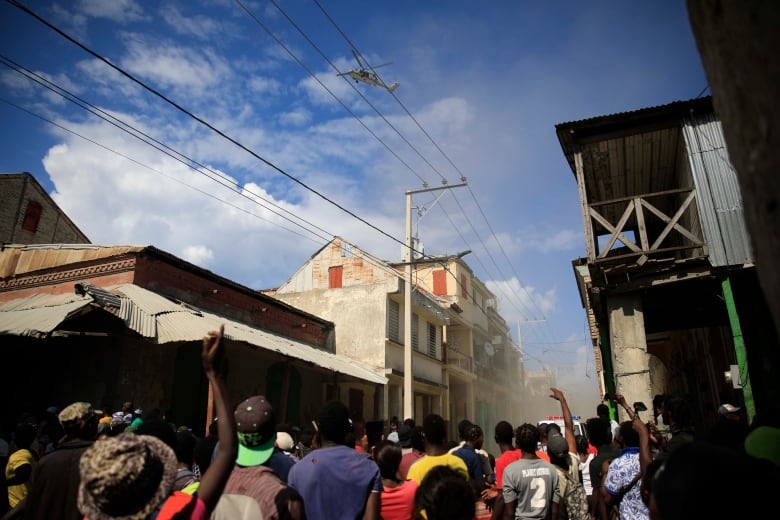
x,y
162,320
38,315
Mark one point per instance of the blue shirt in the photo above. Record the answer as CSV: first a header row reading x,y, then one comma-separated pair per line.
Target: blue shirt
x,y
472,460
280,463
335,482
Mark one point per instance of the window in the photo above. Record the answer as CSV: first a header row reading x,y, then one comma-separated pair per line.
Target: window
x,y
440,282
464,286
415,343
32,216
335,275
432,340
393,312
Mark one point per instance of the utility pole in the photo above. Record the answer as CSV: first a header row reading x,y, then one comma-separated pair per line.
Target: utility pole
x,y
520,346
408,376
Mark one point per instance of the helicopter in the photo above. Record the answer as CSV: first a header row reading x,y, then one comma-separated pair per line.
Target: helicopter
x,y
367,75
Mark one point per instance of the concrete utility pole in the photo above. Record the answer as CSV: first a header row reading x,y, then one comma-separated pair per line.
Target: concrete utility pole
x,y
408,377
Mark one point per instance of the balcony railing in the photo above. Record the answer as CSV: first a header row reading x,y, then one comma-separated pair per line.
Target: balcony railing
x,y
460,360
665,234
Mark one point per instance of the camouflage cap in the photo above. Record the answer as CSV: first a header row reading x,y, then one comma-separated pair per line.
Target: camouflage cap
x,y
78,411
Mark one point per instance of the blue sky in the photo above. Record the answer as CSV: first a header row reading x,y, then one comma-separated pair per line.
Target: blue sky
x,y
482,86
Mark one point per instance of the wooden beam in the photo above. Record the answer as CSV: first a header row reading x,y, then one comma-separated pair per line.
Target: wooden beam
x,y
618,231
590,245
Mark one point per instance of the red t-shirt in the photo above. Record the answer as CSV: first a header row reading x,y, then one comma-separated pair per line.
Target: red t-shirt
x,y
407,460
398,502
504,460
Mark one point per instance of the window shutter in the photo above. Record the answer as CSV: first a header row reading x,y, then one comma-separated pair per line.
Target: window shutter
x,y
335,275
32,216
432,340
415,344
393,312
440,282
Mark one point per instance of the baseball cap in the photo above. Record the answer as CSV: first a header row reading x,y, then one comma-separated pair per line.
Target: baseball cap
x,y
256,427
727,408
284,441
557,445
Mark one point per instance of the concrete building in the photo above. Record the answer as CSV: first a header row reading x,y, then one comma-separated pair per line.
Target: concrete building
x,y
668,281
463,358
28,215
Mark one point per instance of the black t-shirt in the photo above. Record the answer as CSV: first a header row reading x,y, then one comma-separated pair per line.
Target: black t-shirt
x,y
605,452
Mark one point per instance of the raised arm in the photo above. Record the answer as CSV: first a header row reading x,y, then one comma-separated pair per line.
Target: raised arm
x,y
216,476
645,457
621,400
568,423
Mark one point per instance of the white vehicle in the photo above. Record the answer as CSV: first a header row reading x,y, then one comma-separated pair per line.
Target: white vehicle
x,y
558,419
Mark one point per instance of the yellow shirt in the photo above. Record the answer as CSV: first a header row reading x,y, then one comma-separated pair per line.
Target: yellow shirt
x,y
18,492
420,468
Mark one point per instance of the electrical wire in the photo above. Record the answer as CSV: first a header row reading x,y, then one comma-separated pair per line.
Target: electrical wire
x,y
508,297
200,120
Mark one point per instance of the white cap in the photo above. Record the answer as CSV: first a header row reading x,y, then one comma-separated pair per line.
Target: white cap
x,y
284,441
727,408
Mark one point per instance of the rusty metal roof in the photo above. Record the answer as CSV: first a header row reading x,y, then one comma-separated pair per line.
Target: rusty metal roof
x,y
162,320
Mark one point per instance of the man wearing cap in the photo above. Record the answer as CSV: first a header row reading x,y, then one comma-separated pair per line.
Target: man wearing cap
x,y
730,429
566,443
404,433
252,478
55,480
335,480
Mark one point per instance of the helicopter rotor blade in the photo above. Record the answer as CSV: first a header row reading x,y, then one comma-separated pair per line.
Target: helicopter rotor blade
x,y
383,65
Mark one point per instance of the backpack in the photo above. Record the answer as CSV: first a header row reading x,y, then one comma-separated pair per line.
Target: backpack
x,y
574,503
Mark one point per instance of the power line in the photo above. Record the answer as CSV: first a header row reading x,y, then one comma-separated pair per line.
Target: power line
x,y
305,36
147,139
508,297
199,119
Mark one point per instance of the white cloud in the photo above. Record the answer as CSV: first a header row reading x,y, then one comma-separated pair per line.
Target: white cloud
x,y
298,117
171,65
198,255
116,10
200,26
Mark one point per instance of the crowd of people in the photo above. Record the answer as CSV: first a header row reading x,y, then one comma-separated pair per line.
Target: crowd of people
x,y
80,463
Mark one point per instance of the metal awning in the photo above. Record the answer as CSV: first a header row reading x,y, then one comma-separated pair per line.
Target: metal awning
x,y
162,320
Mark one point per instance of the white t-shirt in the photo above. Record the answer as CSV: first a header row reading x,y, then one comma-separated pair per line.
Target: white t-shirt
x,y
585,471
615,428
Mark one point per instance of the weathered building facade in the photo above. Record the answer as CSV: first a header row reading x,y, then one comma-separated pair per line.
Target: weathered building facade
x,y
462,353
108,324
668,281
28,215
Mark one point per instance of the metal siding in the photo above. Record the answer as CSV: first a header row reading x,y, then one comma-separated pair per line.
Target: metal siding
x,y
718,196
